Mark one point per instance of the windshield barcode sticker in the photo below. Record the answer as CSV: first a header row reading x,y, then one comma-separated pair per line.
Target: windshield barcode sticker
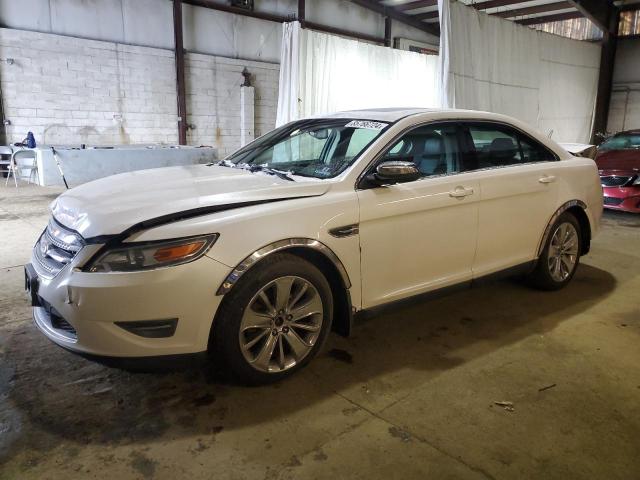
x,y
366,124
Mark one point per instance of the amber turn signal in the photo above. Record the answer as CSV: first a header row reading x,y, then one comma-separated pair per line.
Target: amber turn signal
x,y
177,252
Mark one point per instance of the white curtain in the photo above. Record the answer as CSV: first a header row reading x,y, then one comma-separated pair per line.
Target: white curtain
x,y
488,63
334,73
289,73
569,71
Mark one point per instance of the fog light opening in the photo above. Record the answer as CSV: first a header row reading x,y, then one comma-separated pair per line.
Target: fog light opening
x,y
151,328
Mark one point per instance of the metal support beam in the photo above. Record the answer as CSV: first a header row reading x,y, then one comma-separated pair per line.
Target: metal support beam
x,y
494,4
387,31
536,9
550,18
598,11
179,57
302,11
281,19
238,11
426,15
403,7
399,16
345,33
605,79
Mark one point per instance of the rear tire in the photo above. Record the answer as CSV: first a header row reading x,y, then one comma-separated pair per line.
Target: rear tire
x,y
560,256
274,321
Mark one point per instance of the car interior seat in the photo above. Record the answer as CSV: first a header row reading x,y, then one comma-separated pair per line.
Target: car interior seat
x,y
428,154
502,151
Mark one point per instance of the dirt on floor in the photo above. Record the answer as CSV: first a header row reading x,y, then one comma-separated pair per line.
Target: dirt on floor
x,y
496,382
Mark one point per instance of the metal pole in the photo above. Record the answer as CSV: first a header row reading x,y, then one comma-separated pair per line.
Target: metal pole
x,y
605,79
301,12
387,31
179,57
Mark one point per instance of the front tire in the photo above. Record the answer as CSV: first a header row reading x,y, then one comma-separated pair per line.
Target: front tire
x,y
560,256
274,321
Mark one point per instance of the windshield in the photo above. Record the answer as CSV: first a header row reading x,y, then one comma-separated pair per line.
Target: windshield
x,y
626,141
319,148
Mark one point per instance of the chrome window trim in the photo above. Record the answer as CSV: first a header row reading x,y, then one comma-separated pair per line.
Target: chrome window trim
x,y
378,155
280,245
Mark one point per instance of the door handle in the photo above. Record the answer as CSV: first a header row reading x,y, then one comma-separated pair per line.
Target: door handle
x,y
547,179
460,192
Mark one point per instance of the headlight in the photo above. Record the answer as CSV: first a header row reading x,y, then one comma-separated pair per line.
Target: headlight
x,y
62,237
636,181
150,255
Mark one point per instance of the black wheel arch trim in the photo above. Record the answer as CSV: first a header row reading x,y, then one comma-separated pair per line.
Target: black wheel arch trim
x,y
343,306
279,246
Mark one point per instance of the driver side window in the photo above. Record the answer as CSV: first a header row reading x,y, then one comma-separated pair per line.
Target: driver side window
x,y
432,148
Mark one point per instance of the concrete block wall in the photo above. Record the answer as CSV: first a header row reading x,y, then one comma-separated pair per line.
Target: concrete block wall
x,y
213,99
69,91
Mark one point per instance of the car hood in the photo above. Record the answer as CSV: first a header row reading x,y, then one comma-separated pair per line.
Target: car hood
x,y
618,162
114,204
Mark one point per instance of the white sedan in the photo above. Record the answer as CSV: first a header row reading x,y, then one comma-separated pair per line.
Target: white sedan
x,y
257,257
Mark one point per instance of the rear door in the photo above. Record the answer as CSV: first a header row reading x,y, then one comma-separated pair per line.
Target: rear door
x,y
518,193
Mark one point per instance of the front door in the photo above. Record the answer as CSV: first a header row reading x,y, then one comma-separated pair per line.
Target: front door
x,y
420,235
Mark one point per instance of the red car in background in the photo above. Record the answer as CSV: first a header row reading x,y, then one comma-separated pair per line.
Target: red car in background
x,y
618,161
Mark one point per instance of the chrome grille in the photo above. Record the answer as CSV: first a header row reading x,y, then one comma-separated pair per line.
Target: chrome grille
x,y
614,181
55,248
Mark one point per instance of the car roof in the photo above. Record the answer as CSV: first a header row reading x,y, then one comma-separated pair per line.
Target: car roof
x,y
394,114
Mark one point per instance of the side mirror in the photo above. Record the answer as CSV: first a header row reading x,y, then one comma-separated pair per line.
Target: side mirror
x,y
393,171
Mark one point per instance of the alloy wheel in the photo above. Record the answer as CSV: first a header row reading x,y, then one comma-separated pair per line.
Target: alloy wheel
x,y
281,324
563,252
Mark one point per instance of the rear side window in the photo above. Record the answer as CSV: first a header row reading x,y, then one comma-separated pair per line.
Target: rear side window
x,y
493,145
534,152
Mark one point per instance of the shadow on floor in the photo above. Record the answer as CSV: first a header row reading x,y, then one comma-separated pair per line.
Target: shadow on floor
x,y
49,396
617,218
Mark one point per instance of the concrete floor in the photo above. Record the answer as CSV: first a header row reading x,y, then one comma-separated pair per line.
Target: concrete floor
x,y
411,395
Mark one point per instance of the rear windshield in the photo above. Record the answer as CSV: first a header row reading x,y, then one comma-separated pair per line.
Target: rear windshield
x,y
319,148
627,141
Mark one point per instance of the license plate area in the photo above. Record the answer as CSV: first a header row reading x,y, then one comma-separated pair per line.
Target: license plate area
x,y
31,284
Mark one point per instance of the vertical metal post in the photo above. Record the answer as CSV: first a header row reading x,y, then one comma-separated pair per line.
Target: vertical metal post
x,y
179,57
3,125
387,31
605,79
301,12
